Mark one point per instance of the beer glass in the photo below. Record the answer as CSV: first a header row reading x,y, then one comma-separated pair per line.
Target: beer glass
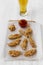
x,y
23,6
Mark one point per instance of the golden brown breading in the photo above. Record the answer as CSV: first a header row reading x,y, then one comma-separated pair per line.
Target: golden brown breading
x,y
14,36
28,32
12,27
22,32
14,43
30,52
24,44
14,53
32,42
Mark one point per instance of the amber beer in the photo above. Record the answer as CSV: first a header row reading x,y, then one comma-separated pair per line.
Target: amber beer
x,y
23,6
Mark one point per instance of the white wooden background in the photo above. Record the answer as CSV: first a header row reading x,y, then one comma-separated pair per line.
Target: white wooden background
x,y
8,8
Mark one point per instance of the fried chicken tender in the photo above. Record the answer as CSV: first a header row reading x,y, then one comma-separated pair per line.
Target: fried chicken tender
x,y
14,36
30,52
14,53
32,42
22,32
24,44
12,27
28,32
14,43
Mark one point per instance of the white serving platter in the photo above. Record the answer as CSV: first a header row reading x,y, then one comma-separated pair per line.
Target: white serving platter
x,y
36,35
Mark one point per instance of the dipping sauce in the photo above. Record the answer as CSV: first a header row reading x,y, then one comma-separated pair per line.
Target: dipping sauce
x,y
23,23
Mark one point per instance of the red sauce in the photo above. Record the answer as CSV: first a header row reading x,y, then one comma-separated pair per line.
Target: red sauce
x,y
23,23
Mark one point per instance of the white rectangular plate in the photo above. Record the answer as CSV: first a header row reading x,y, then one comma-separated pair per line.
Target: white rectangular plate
x,y
37,37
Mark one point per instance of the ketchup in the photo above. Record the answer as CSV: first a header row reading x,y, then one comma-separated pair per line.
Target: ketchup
x,y
23,23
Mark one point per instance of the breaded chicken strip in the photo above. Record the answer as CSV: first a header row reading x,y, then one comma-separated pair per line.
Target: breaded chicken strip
x,y
24,44
32,42
14,36
14,43
28,32
30,52
14,53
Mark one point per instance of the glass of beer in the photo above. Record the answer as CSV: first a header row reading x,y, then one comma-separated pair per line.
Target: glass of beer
x,y
23,6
